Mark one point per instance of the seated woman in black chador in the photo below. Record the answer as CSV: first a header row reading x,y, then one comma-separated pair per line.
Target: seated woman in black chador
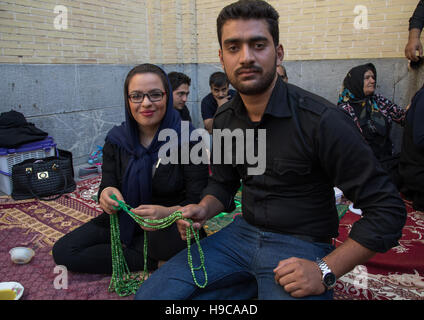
x,y
132,171
372,113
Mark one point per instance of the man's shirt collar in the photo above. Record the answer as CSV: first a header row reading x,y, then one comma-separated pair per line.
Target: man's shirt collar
x,y
278,105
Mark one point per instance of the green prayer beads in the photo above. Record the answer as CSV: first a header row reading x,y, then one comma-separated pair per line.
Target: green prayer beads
x,y
122,282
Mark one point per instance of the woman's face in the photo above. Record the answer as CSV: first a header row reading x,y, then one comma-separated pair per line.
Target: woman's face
x,y
369,83
148,114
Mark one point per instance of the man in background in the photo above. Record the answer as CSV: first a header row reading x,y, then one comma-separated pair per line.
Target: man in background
x,y
180,84
281,70
220,94
416,24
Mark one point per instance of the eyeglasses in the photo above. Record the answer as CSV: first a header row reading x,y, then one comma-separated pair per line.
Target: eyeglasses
x,y
154,96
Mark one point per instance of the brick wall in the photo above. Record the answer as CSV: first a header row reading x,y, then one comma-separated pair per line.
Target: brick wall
x,y
326,29
97,31
184,31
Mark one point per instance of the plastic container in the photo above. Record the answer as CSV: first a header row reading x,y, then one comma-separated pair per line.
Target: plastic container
x,y
10,157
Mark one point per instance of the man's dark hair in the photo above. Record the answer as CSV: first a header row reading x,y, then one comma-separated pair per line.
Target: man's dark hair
x,y
218,79
177,78
250,9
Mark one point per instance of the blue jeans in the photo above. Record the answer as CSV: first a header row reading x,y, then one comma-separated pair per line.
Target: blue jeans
x,y
239,261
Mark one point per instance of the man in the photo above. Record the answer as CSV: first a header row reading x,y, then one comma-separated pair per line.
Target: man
x,y
280,248
416,24
281,70
180,84
411,165
220,94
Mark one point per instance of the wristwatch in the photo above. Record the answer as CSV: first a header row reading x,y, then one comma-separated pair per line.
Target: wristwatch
x,y
328,277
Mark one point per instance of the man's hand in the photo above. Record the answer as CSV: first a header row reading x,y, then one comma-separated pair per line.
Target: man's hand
x,y
195,212
413,45
220,101
299,277
106,203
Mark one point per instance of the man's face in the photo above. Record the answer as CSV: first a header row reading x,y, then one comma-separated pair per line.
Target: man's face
x,y
180,96
249,56
219,92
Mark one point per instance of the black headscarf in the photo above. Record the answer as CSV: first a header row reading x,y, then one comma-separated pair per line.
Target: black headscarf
x,y
374,125
354,82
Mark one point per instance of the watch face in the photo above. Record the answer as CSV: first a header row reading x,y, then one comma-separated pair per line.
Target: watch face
x,y
329,280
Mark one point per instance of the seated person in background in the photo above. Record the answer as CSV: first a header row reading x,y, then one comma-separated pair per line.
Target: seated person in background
x,y
281,70
220,94
132,172
416,24
180,84
373,114
411,164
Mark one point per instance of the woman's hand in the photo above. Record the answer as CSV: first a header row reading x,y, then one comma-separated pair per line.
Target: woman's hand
x,y
106,203
153,212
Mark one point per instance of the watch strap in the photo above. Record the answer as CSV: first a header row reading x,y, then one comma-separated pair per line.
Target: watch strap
x,y
325,270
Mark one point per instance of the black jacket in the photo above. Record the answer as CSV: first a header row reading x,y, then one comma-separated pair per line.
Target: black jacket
x,y
184,113
172,184
411,164
16,131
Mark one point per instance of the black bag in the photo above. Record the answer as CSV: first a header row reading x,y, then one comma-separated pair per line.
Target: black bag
x,y
40,178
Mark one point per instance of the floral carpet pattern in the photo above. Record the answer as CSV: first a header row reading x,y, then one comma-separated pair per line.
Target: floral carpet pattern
x,y
38,225
395,275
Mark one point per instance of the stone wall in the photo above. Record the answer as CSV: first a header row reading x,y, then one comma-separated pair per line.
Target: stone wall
x,y
78,104
63,62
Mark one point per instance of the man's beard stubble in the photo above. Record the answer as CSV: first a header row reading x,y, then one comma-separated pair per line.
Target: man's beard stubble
x,y
262,86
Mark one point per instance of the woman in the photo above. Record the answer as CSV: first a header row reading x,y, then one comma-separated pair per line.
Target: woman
x,y
132,171
372,113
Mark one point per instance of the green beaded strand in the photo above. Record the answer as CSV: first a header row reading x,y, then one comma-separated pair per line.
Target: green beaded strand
x,y
122,282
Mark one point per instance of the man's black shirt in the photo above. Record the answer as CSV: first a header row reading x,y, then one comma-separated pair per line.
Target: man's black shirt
x,y
311,146
184,113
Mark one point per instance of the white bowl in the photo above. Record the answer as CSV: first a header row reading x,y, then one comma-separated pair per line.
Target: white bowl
x,y
21,255
15,286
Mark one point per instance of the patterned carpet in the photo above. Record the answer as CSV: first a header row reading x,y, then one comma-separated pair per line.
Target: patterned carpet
x,y
397,274
38,224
